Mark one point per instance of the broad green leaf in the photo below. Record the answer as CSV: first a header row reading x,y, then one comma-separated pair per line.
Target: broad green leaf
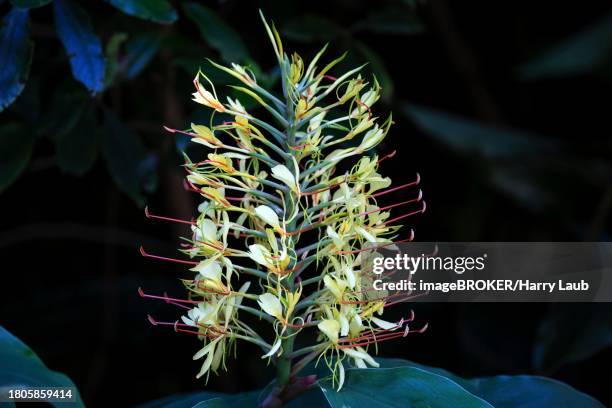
x,y
124,153
217,33
15,56
512,391
15,150
392,20
139,51
581,53
82,45
21,367
571,333
212,403
28,4
64,110
309,399
399,387
77,149
159,11
468,136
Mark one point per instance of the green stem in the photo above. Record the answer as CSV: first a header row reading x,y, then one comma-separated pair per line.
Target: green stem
x,y
283,367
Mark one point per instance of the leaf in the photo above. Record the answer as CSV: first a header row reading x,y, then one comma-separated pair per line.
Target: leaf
x,y
469,136
112,58
74,29
392,20
217,33
15,150
124,153
63,112
399,387
28,4
159,11
77,150
571,333
15,56
581,53
518,391
309,399
21,367
212,403
140,50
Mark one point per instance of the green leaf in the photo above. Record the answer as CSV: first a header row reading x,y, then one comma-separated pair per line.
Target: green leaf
x,y
77,150
399,387
15,151
113,47
63,112
401,383
582,53
140,50
571,333
212,403
309,399
82,45
468,136
159,11
124,153
15,56
392,20
28,4
217,33
512,391
21,367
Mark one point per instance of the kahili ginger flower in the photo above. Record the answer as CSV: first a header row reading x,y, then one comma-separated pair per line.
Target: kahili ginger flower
x,y
281,229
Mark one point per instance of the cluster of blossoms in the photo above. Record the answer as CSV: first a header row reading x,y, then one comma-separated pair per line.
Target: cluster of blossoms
x,y
277,210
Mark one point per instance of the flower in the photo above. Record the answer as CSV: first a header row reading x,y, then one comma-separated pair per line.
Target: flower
x,y
287,208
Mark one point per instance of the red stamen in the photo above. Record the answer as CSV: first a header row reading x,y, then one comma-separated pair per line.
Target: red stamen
x,y
414,183
163,258
157,217
422,210
356,251
387,156
331,78
166,298
365,106
414,200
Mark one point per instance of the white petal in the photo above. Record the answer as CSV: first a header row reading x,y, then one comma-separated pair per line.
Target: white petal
x,y
330,328
340,376
383,324
365,234
344,325
209,230
209,269
271,305
274,349
283,174
268,215
259,254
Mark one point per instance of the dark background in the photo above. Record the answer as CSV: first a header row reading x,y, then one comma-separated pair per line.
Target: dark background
x,y
510,135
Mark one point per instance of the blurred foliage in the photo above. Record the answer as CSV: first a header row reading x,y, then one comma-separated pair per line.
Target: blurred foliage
x,y
21,367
